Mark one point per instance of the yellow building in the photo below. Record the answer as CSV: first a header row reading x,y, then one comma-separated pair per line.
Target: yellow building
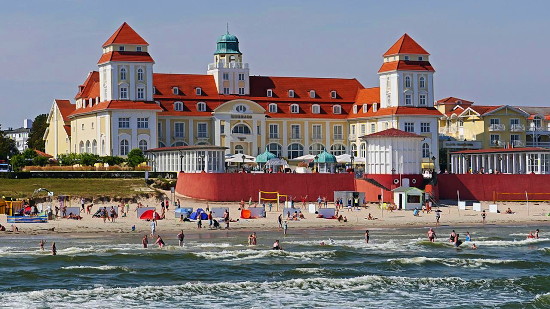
x,y
58,133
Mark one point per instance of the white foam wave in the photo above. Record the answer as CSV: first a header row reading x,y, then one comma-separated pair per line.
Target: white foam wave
x,y
102,267
312,270
452,262
508,243
250,254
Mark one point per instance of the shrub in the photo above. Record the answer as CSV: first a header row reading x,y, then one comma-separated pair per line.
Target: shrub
x,y
136,157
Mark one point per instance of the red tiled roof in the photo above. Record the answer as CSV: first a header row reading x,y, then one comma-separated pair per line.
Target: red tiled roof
x,y
65,108
125,35
117,105
198,147
502,150
453,100
125,56
483,109
392,132
67,129
406,45
90,88
42,154
406,65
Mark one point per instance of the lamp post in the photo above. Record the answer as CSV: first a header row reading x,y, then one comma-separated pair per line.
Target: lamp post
x,y
181,161
202,162
243,157
500,163
317,161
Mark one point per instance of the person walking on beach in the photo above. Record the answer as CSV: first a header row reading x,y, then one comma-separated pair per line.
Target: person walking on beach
x,y
144,241
226,219
181,237
285,227
159,242
483,216
280,220
153,227
41,243
437,216
199,221
89,208
54,249
113,214
82,204
210,219
367,236
431,235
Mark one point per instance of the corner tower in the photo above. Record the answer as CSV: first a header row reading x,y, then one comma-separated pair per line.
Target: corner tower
x,y
126,68
230,72
406,76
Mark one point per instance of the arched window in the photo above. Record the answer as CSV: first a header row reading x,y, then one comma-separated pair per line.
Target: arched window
x,y
337,109
537,122
363,150
94,147
316,149
124,147
178,106
422,82
140,74
142,145
407,82
201,107
354,150
81,146
232,59
295,150
425,150
240,108
338,149
272,108
294,108
239,149
315,109
103,147
162,144
275,149
241,129
203,143
88,147
178,143
122,73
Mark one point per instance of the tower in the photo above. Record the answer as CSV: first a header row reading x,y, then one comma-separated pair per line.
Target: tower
x,y
126,68
230,72
406,76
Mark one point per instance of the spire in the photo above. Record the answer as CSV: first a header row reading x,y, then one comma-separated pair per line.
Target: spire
x,y
406,45
125,35
227,26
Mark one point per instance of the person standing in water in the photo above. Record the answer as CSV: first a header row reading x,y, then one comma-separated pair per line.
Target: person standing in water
x,y
537,233
41,243
254,239
367,236
153,227
144,241
483,216
280,220
159,242
468,237
431,235
285,227
277,245
181,236
54,249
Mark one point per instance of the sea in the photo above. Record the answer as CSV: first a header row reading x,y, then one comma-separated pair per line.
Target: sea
x,y
398,268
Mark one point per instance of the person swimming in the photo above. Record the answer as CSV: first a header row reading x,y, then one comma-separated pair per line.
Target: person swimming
x,y
277,245
474,247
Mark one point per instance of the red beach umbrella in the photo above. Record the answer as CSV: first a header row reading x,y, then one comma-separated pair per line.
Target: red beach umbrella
x,y
150,215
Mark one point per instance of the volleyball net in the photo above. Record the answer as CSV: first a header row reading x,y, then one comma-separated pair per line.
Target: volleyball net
x,y
265,196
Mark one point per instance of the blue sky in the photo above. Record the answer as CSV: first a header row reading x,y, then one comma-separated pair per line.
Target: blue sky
x,y
491,52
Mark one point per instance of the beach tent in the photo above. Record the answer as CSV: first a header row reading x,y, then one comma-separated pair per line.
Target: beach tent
x,y
264,157
199,212
183,211
150,215
325,162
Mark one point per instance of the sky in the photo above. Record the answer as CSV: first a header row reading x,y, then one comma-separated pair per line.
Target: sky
x,y
491,52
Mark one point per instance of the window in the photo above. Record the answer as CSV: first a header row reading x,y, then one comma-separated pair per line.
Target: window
x,y
422,100
240,108
363,129
241,129
312,94
295,131
494,121
121,48
337,109
338,149
354,150
294,109
495,139
420,58
140,74
355,109
375,107
275,149
316,149
295,150
142,145
406,57
316,109
317,130
291,93
239,149
372,127
139,48
82,126
409,126
159,130
143,123
408,99
141,93
175,90
123,122
272,108
178,143
198,91
88,147
124,147
514,140
425,127
225,76
460,122
407,82
365,108
222,129
202,131
425,150
178,106
269,93
123,73
338,132
241,76
81,146
123,93
537,123
422,82
225,90
333,94
363,150
201,107
352,129
241,91
514,121
273,131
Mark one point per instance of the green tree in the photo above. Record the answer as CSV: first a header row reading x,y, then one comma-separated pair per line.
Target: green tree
x,y
135,157
88,159
40,161
7,146
112,160
36,137
68,159
18,162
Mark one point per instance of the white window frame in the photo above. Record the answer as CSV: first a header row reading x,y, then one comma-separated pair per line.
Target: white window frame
x,y
175,90
291,93
422,82
408,100
315,109
406,57
425,150
201,107
333,94
123,73
225,76
198,91
408,127
408,82
425,127
179,129
420,58
422,100
337,109
124,93
317,131
140,74
295,131
204,133
269,93
141,93
374,107
121,48
178,106
272,108
355,109
143,123
295,150
294,109
124,122
338,132
273,130
363,129
365,108
241,76
241,91
372,127
124,147
312,94
139,48
226,90
141,146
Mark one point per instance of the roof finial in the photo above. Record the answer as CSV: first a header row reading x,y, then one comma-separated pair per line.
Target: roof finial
x,y
227,27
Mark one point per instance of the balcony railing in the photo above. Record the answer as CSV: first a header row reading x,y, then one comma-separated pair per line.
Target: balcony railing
x,y
538,144
533,128
517,128
497,127
497,143
518,143
227,65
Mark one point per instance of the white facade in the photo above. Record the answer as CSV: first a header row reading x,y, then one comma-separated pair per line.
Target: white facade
x,y
507,161
20,136
188,159
393,155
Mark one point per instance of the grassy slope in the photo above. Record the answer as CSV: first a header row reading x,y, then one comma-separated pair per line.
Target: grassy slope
x,y
75,187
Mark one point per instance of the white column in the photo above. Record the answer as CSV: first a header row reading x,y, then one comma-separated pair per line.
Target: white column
x,y
192,132
520,159
539,159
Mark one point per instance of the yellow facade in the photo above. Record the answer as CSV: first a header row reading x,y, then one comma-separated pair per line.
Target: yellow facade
x,y
57,141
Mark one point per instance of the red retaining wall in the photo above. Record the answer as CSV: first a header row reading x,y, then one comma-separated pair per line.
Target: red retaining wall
x,y
372,192
237,186
481,186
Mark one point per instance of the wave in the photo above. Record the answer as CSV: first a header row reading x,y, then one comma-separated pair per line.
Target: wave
x,y
102,268
455,262
251,254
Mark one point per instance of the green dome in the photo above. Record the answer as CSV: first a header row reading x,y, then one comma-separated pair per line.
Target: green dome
x,y
325,157
227,44
264,157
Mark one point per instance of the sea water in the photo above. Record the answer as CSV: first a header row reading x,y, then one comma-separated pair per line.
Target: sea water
x,y
399,268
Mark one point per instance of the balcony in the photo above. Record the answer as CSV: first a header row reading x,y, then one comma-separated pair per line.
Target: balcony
x,y
497,144
517,128
497,127
227,65
518,143
535,128
538,144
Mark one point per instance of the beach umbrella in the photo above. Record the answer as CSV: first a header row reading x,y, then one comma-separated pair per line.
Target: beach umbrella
x,y
150,215
239,159
307,157
276,162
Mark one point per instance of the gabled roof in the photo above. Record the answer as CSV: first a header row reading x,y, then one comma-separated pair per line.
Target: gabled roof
x,y
125,56
406,65
454,100
65,108
480,110
536,111
392,132
125,35
406,45
90,88
122,104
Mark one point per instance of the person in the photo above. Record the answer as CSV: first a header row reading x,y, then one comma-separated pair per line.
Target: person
x,y
89,208
431,235
181,236
452,236
159,242
54,249
437,217
153,227
82,204
270,205
416,212
41,243
113,214
280,220
226,218
468,238
285,227
474,247
144,241
199,221
2,228
457,242
530,235
370,217
210,219
367,236
483,216
250,240
254,239
537,233
277,245
509,211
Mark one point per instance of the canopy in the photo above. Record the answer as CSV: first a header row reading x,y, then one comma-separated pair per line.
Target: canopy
x,y
325,157
346,158
150,215
264,157
307,157
238,158
276,162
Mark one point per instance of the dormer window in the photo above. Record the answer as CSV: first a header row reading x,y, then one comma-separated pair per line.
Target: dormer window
x,y
201,107
337,109
154,90
374,107
272,108
406,57
333,94
121,48
291,93
316,109
269,93
175,90
365,108
198,91
312,94
139,48
294,109
178,106
355,109
420,58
